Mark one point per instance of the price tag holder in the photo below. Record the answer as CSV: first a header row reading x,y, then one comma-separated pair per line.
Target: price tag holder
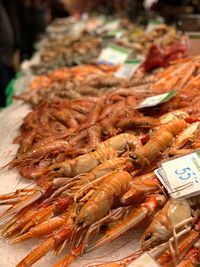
x,y
156,100
128,69
144,260
181,176
163,179
114,54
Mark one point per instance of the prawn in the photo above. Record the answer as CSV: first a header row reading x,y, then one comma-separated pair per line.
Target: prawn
x,y
161,228
143,122
79,184
94,209
160,141
81,164
187,135
30,216
101,200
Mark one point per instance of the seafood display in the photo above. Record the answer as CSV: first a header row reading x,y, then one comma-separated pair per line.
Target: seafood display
x,y
89,152
70,42
107,190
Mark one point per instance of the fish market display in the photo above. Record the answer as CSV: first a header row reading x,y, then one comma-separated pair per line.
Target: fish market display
x,y
70,42
90,152
110,187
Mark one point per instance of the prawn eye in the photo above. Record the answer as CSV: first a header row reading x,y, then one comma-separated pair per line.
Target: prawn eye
x,y
147,236
133,156
81,222
56,169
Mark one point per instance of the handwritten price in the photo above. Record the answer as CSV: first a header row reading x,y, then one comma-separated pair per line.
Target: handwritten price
x,y
186,173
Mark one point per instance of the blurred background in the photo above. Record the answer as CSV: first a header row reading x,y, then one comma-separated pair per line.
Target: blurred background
x,y
23,21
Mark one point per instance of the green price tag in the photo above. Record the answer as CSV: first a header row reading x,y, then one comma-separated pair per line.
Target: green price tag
x,y
156,100
114,54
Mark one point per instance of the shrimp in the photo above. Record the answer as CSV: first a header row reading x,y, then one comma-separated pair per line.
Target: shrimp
x,y
187,135
27,141
94,135
74,186
143,122
168,258
42,229
161,228
51,243
160,141
101,200
94,209
93,116
31,216
81,183
82,164
66,117
164,253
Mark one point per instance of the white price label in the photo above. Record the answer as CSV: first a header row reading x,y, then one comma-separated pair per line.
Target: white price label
x,y
127,69
183,175
144,260
156,100
113,54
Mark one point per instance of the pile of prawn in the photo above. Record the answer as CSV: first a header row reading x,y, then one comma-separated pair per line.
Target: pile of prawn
x,y
92,160
83,80
182,76
62,129
85,202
